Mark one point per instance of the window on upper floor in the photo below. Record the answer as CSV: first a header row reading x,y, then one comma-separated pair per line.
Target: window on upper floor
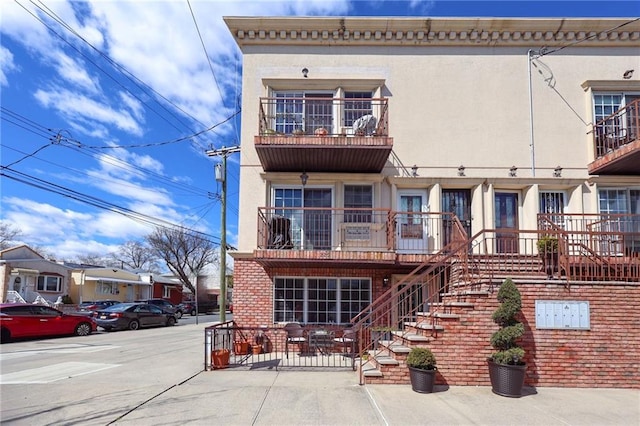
x,y
624,124
307,111
359,197
166,291
49,283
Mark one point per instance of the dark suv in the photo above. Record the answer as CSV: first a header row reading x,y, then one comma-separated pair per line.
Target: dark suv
x,y
165,305
204,307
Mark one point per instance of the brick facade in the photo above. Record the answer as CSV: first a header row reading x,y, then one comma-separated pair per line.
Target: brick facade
x,y
607,355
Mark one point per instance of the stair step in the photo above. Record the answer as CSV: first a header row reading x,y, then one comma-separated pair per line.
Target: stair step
x,y
395,347
467,293
382,357
427,326
413,337
445,316
453,305
369,370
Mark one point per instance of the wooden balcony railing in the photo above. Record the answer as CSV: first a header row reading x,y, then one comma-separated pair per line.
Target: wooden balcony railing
x,y
617,130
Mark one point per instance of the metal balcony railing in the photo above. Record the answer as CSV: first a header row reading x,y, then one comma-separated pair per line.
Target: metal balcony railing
x,y
323,116
617,130
353,229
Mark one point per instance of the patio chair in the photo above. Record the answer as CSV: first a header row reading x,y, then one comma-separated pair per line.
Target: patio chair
x,y
348,341
295,336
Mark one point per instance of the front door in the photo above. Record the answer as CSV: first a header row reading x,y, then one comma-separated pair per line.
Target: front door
x,y
411,221
458,202
506,221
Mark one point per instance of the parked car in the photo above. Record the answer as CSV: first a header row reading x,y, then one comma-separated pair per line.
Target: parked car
x,y
165,305
27,320
88,307
189,307
132,316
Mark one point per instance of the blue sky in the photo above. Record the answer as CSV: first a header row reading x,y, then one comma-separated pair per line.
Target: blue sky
x,y
113,104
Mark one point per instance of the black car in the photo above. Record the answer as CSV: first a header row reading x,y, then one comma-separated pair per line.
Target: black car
x,y
133,316
204,307
165,305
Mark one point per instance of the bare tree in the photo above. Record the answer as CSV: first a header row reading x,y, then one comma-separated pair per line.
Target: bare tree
x,y
95,259
184,252
8,234
136,256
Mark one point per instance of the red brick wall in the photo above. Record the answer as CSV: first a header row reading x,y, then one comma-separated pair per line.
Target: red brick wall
x,y
607,355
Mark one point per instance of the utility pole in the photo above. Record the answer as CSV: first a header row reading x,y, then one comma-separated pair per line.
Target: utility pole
x,y
221,176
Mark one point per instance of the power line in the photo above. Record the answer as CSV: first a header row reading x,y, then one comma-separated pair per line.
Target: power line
x,y
206,54
96,202
544,52
130,76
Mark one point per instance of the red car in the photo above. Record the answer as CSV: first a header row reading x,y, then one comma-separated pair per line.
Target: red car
x,y
25,320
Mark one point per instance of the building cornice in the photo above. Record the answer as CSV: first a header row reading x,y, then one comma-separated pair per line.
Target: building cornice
x,y
247,31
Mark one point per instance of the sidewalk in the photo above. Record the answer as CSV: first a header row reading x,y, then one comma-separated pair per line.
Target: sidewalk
x,y
241,397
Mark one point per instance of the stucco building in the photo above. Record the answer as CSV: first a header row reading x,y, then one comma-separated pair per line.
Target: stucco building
x,y
391,167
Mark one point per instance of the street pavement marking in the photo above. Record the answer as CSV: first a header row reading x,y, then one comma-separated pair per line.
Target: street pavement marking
x,y
66,349
53,372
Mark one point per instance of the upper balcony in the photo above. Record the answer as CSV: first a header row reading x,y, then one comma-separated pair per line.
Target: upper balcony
x,y
617,143
323,134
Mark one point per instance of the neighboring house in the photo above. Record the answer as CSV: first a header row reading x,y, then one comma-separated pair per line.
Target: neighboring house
x,y
99,283
163,287
393,166
29,277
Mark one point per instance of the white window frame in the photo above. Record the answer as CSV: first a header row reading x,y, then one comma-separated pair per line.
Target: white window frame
x,y
297,308
42,283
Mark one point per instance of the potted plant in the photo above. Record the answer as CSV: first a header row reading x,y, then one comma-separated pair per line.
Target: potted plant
x,y
506,366
422,369
548,251
298,132
220,358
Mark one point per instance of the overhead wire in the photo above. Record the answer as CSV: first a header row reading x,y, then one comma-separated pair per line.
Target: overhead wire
x,y
74,144
128,74
96,202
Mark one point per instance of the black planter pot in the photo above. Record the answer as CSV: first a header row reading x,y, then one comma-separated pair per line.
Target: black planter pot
x,y
507,380
422,381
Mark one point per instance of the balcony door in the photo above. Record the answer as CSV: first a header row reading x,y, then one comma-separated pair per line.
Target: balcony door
x,y
411,221
506,221
308,211
458,202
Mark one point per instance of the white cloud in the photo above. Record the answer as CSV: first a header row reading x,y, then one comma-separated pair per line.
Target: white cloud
x,y
76,106
6,65
73,72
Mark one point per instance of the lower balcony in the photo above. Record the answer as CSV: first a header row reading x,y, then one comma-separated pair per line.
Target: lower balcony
x,y
361,237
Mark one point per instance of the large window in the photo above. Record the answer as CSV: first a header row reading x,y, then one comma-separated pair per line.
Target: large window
x,y
310,228
625,204
320,300
50,283
106,288
303,112
307,111
623,125
356,105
